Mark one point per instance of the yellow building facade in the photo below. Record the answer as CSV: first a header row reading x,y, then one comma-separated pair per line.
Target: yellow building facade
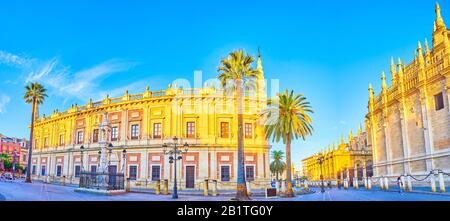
x,y
409,121
205,118
343,160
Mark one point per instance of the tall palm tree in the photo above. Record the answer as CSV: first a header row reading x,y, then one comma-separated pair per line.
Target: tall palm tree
x,y
278,165
234,72
288,117
34,95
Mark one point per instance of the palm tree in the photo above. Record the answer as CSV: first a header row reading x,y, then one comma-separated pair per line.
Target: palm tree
x,y
235,71
278,165
287,117
34,95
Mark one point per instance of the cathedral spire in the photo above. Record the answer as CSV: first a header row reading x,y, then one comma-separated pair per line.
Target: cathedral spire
x,y
420,54
383,82
359,129
259,65
427,49
393,71
439,21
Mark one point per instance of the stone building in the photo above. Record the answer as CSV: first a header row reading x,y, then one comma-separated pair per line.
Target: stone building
x,y
345,160
409,121
205,118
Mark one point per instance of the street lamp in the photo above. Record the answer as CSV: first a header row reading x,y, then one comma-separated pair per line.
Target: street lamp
x,y
82,156
124,155
99,156
110,146
172,150
320,160
14,163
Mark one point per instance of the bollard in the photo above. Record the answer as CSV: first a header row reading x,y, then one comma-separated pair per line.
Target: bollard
x,y
283,186
249,188
356,185
158,187
345,184
63,181
441,182
433,183
214,188
306,184
127,186
402,178
365,182
410,188
277,186
205,188
386,183
369,183
165,187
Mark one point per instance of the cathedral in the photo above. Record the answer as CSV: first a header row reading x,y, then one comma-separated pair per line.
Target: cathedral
x,y
408,123
351,159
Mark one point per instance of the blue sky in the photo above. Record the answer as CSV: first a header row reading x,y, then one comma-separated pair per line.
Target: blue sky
x,y
328,50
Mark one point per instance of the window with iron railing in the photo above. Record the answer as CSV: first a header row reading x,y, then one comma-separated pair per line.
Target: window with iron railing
x,y
156,172
135,131
80,136
114,133
190,129
157,130
225,173
224,130
248,130
95,136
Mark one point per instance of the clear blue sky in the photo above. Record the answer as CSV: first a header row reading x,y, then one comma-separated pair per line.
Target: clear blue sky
x,y
328,50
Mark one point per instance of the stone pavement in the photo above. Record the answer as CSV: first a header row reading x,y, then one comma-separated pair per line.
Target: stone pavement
x,y
37,191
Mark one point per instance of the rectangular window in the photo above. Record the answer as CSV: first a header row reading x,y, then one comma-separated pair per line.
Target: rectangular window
x,y
190,129
43,170
224,130
95,136
248,130
114,133
58,170
61,140
80,135
93,168
132,172
157,130
135,131
225,173
77,170
249,173
439,101
156,172
36,143
24,157
33,170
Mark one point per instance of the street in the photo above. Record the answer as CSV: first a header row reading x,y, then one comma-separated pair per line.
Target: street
x,y
20,191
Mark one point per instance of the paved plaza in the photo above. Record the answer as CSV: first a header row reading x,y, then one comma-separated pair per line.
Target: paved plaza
x,y
38,191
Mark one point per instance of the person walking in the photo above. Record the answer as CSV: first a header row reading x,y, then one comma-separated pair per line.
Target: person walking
x,y
399,184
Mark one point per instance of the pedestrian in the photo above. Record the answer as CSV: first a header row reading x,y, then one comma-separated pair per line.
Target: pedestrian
x,y
400,184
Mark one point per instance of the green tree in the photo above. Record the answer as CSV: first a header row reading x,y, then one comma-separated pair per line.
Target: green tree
x,y
6,161
234,72
277,166
34,95
286,118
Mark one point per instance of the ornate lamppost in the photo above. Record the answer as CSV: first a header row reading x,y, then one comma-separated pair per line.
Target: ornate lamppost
x,y
14,163
99,156
82,156
320,160
172,150
124,157
110,146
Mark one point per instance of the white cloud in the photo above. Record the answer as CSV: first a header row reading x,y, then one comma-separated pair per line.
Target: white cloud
x,y
81,84
4,100
343,122
13,60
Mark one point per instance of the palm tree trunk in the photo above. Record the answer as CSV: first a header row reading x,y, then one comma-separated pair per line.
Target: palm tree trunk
x,y
30,148
277,176
241,190
289,191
